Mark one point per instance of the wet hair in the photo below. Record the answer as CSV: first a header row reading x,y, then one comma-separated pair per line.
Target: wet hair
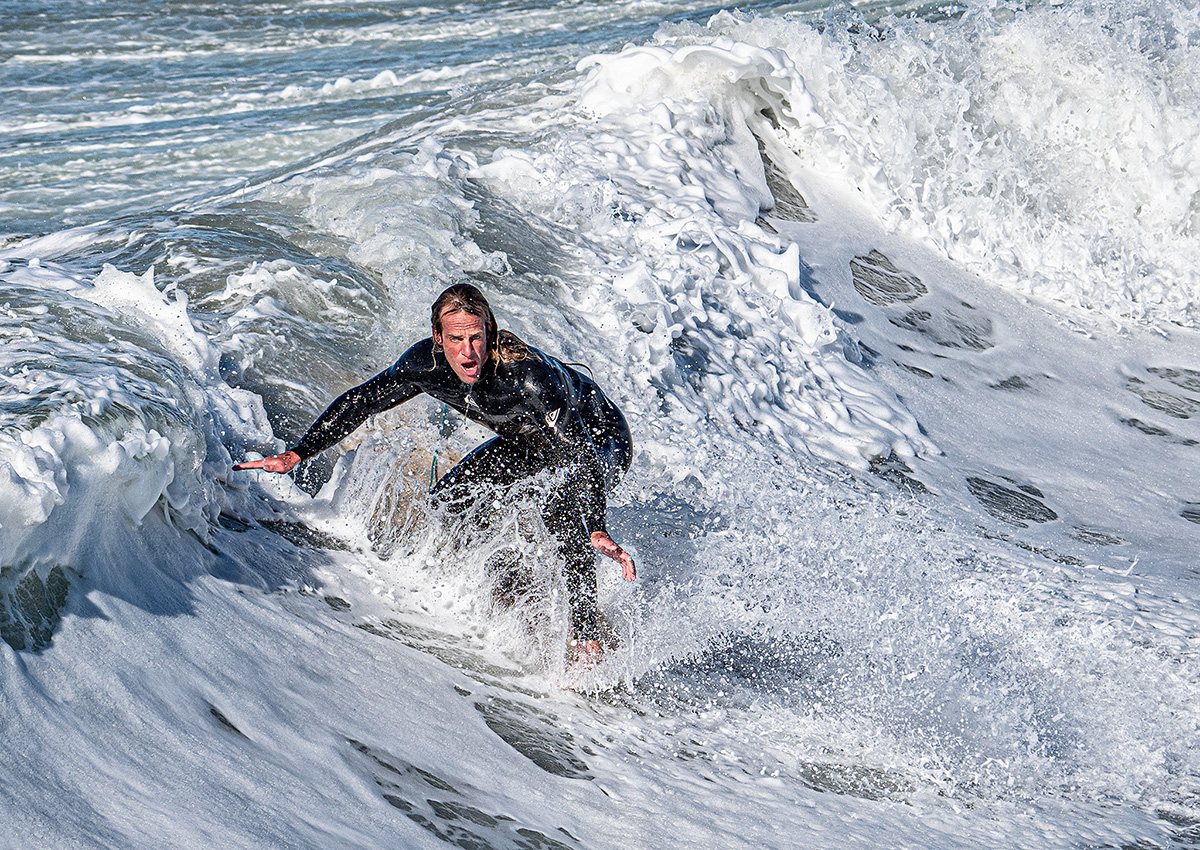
x,y
504,346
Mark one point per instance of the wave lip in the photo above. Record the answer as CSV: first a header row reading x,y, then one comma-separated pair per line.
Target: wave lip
x,y
667,170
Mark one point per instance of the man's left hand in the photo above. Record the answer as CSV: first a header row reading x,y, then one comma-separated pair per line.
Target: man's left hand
x,y
606,546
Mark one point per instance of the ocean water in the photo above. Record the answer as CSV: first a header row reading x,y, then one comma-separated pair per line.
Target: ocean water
x,y
900,301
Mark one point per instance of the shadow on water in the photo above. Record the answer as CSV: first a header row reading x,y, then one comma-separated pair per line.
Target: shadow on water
x,y
450,810
30,607
157,572
743,671
664,530
740,667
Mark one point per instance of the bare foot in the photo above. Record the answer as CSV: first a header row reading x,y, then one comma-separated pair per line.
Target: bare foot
x,y
584,654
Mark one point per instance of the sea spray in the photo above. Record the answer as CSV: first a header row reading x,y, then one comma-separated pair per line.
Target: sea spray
x,y
990,647
1050,150
123,437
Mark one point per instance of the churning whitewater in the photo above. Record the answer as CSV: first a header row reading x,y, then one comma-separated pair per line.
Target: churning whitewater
x,y
900,304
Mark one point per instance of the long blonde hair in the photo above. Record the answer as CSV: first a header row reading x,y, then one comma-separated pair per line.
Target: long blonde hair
x,y
505,346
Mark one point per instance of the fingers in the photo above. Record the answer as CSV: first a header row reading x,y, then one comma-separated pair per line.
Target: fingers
x,y
628,569
285,462
608,547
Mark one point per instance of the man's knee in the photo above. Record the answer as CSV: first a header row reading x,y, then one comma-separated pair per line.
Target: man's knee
x,y
454,499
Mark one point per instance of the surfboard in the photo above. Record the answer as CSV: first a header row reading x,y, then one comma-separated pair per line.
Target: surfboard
x,y
401,490
398,482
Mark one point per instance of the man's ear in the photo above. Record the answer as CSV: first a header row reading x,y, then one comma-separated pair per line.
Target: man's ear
x,y
437,338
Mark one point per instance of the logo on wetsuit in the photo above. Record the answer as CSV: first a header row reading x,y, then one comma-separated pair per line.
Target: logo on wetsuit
x,y
552,417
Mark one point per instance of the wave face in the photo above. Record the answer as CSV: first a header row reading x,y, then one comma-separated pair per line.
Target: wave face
x,y
900,310
1046,149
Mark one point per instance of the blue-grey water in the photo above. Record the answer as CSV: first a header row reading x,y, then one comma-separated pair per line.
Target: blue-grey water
x,y
900,300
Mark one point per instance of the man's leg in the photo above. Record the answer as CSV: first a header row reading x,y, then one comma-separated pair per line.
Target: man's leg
x,y
564,521
495,463
498,463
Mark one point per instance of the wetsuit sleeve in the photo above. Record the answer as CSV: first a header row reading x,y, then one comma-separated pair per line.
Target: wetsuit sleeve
x,y
352,408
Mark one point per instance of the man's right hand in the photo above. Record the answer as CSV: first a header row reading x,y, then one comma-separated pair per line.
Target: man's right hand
x,y
285,462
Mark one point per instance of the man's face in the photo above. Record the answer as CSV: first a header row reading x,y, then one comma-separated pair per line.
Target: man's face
x,y
464,340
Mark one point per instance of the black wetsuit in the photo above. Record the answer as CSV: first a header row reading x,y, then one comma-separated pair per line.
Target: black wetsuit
x,y
546,416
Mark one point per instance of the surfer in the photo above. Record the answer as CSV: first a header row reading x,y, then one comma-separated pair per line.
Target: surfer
x,y
546,416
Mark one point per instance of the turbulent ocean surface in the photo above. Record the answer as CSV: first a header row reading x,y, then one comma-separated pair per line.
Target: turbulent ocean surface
x,y
901,301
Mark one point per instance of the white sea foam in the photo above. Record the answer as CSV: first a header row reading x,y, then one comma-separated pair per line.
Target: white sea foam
x,y
1051,151
999,651
112,438
694,259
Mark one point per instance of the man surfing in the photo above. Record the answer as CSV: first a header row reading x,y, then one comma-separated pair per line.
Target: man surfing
x,y
546,416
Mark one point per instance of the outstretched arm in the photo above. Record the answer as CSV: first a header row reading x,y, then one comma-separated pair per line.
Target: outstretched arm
x,y
349,410
608,547
352,408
